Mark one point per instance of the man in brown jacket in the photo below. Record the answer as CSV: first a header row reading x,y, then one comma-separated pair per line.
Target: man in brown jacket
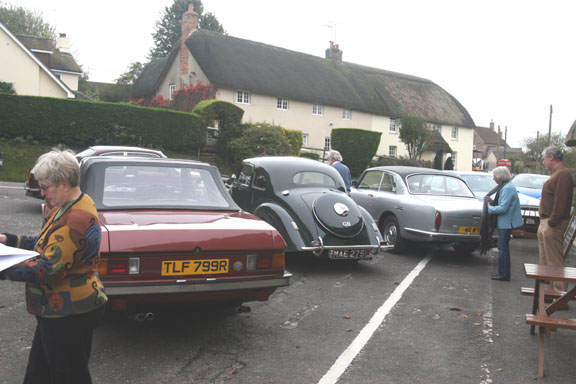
x,y
555,206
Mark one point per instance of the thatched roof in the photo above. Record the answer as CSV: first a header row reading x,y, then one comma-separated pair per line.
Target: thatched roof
x,y
571,136
438,144
234,63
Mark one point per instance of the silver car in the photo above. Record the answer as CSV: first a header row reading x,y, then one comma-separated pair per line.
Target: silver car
x,y
413,204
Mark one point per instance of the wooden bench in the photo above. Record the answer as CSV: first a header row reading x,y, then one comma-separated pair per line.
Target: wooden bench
x,y
544,322
525,291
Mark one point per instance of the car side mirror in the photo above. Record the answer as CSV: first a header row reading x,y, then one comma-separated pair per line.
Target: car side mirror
x,y
355,183
231,179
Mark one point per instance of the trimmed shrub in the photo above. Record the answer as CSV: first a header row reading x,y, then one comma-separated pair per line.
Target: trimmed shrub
x,y
357,147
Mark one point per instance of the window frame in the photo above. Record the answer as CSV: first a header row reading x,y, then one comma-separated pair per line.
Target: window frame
x,y
395,151
171,91
454,133
346,114
393,126
243,97
327,143
282,103
317,109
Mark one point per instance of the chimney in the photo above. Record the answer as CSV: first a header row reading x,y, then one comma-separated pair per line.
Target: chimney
x,y
189,25
492,125
334,53
63,44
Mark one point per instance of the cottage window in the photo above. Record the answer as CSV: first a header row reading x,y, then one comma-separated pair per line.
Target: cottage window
x,y
346,114
243,97
318,109
454,133
305,141
327,143
393,127
392,151
282,104
171,90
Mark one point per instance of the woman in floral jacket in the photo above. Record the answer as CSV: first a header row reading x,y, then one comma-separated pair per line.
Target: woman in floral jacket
x,y
63,289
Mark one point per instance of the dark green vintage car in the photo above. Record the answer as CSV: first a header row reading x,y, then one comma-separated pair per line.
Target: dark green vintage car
x,y
306,201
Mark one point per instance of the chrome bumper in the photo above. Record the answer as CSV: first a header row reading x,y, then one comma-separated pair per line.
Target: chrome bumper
x,y
437,236
206,286
317,250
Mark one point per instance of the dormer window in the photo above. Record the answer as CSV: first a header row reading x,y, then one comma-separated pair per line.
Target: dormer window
x,y
346,114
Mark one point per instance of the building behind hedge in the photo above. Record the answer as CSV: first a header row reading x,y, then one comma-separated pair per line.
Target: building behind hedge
x,y
308,93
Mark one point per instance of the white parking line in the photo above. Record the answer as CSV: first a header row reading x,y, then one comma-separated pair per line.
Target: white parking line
x,y
346,358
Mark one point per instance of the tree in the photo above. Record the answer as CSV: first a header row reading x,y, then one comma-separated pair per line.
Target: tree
x,y
209,22
7,88
535,146
169,28
449,165
414,133
22,21
132,73
257,136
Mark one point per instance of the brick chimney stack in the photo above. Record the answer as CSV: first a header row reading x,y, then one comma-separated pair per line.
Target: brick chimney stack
x,y
334,53
492,125
189,25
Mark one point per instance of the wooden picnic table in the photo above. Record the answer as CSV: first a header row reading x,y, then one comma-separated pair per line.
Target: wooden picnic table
x,y
541,315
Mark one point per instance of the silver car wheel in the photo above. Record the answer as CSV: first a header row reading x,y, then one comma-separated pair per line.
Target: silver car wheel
x,y
391,232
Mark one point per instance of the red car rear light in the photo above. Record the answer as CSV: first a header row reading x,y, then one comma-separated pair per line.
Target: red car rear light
x,y
119,266
437,221
259,262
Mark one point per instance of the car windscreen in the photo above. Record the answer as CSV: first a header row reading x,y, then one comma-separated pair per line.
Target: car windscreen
x,y
530,181
313,179
147,186
479,183
440,185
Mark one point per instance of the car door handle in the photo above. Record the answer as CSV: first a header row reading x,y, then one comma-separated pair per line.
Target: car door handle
x,y
399,207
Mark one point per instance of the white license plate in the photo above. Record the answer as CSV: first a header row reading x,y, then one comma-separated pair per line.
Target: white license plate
x,y
347,253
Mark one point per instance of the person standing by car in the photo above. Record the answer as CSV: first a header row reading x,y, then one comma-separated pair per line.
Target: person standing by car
x,y
63,289
555,206
335,160
507,206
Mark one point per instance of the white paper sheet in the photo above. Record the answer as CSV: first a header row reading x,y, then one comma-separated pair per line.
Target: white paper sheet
x,y
10,256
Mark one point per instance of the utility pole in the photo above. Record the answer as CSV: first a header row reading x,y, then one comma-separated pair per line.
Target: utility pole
x,y
537,145
498,144
505,139
550,125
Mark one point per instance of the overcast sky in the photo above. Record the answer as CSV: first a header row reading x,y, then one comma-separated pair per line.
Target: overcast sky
x,y
506,61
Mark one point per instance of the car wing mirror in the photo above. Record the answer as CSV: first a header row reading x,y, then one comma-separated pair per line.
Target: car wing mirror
x,y
355,183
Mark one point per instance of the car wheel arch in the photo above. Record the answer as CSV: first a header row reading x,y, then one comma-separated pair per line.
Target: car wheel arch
x,y
280,219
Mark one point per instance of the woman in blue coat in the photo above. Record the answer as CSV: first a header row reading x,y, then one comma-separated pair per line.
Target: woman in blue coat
x,y
507,206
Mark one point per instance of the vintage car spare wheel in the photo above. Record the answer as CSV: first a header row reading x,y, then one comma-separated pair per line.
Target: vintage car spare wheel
x,y
338,214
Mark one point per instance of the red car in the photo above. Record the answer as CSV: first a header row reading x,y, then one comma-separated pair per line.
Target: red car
x,y
172,234
33,189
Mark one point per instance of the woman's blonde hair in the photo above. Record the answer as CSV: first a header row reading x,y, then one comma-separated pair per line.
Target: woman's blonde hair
x,y
57,166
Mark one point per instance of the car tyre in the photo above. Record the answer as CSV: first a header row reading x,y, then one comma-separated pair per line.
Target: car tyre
x,y
465,248
390,230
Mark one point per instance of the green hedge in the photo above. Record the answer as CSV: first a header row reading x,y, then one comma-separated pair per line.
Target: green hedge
x,y
78,124
357,147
